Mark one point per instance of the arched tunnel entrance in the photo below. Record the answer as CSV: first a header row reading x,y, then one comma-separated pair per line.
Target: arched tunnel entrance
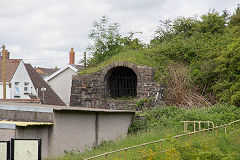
x,y
121,82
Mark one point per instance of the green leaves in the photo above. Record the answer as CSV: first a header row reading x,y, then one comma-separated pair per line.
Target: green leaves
x,y
212,22
209,47
106,40
227,86
235,18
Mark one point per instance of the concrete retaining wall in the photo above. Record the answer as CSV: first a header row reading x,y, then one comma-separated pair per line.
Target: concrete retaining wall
x,y
75,129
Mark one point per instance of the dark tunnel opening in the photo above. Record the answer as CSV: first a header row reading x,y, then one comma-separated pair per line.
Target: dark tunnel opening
x,y
122,82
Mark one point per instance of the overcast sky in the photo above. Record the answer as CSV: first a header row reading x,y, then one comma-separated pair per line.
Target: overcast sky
x,y
47,29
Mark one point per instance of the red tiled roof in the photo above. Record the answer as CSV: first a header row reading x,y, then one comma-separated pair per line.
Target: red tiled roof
x,y
11,67
50,97
47,71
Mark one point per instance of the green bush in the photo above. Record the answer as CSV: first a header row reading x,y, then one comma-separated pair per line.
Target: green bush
x,y
170,116
136,126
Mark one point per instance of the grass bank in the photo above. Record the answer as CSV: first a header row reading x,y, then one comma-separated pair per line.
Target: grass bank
x,y
137,57
165,122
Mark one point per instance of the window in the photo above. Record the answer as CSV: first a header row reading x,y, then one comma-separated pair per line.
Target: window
x,y
17,90
26,88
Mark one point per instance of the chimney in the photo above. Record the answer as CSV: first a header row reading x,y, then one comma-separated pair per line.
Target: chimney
x,y
71,56
7,54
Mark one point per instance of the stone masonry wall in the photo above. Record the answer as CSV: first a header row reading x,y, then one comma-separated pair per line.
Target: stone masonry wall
x,y
90,90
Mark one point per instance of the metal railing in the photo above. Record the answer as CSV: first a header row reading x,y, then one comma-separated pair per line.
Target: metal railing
x,y
185,124
161,140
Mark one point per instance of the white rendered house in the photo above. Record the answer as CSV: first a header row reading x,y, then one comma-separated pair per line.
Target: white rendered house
x,y
25,85
18,83
61,80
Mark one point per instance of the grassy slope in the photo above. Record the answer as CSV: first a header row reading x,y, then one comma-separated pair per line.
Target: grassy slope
x,y
165,122
137,57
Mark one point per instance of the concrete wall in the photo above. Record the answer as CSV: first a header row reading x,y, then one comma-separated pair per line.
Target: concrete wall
x,y
6,134
62,84
73,131
26,113
112,126
77,131
35,132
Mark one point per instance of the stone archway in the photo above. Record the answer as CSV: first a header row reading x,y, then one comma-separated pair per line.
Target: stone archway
x,y
128,66
121,82
93,90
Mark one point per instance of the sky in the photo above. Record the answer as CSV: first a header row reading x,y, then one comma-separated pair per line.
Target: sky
x,y
42,32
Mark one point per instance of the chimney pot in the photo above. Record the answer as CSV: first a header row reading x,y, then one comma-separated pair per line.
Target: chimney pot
x,y
71,56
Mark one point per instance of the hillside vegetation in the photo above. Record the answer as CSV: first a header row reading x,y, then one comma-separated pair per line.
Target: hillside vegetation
x,y
198,60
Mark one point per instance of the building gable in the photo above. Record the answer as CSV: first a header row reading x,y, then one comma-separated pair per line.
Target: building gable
x,y
22,85
75,69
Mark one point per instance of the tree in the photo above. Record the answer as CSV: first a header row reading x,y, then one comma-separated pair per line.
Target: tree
x,y
227,87
235,18
212,22
131,43
168,29
106,39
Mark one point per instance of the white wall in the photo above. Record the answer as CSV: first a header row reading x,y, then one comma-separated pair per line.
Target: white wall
x,y
62,84
7,90
21,76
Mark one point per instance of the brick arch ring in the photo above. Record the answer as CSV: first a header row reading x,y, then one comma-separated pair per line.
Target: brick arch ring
x,y
121,64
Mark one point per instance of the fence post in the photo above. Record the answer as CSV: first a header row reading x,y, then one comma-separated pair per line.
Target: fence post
x,y
106,154
199,123
144,148
125,150
225,129
208,125
216,131
190,139
194,125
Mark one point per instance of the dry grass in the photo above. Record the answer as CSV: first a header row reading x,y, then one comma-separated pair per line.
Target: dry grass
x,y
180,89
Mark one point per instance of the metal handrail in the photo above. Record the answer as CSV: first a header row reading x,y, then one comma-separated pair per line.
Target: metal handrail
x,y
161,140
194,124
